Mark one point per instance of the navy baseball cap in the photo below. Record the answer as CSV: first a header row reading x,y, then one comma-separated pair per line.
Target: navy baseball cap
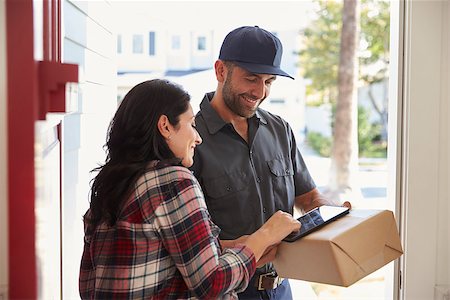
x,y
254,49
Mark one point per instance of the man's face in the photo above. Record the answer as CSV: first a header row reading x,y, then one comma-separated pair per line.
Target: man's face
x,y
243,91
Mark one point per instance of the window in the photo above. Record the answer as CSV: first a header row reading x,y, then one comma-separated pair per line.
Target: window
x,y
176,42
151,43
201,43
138,43
119,44
277,101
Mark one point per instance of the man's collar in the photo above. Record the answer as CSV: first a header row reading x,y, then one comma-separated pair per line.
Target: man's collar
x,y
260,117
212,119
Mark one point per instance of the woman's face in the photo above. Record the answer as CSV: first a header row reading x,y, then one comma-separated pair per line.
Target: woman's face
x,y
185,138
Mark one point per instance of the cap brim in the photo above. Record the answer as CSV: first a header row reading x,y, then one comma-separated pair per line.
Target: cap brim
x,y
262,69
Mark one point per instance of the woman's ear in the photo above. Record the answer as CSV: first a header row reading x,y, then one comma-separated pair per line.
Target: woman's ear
x,y
164,126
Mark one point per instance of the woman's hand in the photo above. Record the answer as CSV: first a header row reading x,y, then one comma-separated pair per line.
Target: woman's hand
x,y
279,226
271,233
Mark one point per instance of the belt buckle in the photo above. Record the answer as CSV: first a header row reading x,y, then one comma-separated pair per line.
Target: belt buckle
x,y
276,280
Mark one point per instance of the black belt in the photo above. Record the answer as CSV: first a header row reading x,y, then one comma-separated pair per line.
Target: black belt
x,y
267,281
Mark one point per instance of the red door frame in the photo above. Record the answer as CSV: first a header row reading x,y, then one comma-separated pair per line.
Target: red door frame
x,y
34,89
22,112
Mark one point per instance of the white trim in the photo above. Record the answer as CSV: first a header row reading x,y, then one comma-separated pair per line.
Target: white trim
x,y
443,254
3,159
447,95
392,285
422,155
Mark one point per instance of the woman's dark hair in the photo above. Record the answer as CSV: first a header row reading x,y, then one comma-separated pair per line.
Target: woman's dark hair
x,y
133,141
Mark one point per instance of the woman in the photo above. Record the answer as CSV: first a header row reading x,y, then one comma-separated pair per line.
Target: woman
x,y
148,233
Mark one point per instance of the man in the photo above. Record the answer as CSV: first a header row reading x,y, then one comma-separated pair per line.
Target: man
x,y
249,165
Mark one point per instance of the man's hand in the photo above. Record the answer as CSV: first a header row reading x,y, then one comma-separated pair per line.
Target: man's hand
x,y
313,199
347,204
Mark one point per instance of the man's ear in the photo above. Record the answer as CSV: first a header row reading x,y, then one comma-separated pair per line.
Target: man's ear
x,y
220,70
164,126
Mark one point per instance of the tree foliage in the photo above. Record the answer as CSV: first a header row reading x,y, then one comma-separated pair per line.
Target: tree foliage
x,y
374,55
319,56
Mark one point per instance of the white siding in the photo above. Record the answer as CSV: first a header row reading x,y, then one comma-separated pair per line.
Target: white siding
x,y
89,41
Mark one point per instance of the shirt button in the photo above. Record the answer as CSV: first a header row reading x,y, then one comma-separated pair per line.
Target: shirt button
x,y
288,171
258,180
251,151
264,210
228,188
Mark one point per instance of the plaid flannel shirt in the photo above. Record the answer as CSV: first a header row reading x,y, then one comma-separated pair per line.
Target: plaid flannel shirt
x,y
163,246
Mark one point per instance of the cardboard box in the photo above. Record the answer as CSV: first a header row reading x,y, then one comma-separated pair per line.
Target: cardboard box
x,y
344,251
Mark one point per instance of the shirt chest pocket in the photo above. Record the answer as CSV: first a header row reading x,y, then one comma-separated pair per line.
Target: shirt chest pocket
x,y
226,185
282,183
281,166
230,204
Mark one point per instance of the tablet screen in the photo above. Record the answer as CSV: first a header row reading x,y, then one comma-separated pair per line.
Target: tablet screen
x,y
315,219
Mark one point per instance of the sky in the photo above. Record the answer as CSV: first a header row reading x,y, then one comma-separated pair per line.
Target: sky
x,y
271,15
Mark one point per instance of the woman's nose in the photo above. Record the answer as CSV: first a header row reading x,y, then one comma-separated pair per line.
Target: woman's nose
x,y
198,139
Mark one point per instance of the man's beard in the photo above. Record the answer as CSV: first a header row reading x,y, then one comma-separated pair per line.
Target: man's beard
x,y
233,101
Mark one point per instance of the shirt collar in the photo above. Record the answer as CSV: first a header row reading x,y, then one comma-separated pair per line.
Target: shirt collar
x,y
212,119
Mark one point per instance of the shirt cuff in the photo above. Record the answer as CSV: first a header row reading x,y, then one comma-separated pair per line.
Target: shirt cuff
x,y
249,259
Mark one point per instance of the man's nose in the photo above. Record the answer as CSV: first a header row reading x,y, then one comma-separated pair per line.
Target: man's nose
x,y
259,90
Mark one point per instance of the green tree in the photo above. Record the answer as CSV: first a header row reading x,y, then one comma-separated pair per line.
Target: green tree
x,y
374,52
346,34
319,55
374,56
344,152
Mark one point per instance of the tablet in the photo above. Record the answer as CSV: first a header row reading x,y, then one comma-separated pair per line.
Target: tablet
x,y
315,219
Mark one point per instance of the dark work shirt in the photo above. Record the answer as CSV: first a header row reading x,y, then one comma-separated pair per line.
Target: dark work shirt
x,y
245,183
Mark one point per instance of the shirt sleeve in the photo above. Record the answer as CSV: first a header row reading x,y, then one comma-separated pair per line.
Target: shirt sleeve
x,y
185,228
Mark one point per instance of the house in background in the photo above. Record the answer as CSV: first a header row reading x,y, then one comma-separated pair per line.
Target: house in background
x,y
150,49
187,55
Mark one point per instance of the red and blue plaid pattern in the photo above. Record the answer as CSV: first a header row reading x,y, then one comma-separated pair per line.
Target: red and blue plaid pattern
x,y
164,246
